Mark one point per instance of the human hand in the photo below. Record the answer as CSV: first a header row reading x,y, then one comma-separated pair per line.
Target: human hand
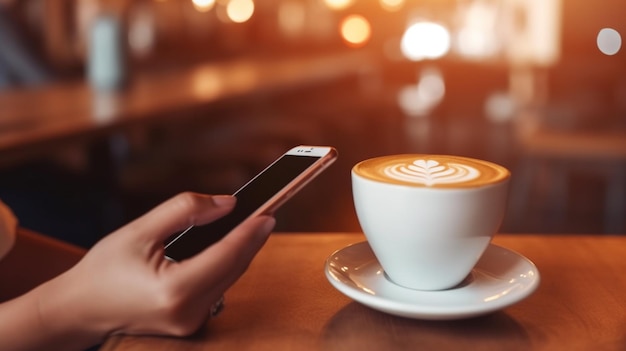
x,y
125,285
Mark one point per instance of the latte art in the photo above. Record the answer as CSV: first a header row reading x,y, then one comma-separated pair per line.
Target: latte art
x,y
431,172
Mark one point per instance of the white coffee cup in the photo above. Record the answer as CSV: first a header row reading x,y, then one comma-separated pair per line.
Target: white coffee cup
x,y
429,218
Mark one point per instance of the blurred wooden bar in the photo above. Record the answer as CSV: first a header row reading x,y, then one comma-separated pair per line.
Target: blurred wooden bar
x,y
33,120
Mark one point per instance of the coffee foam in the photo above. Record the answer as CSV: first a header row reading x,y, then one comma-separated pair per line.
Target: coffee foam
x,y
437,171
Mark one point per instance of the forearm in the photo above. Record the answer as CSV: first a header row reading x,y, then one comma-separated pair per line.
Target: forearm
x,y
19,324
44,319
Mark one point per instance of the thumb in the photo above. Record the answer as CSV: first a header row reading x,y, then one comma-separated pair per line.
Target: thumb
x,y
178,213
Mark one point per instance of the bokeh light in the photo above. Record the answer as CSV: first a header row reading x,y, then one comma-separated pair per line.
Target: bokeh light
x,y
203,5
206,83
477,36
141,31
500,107
240,11
338,4
476,43
609,41
291,18
392,5
355,30
425,40
418,100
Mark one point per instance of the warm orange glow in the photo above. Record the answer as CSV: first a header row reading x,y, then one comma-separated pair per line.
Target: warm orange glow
x,y
240,11
203,5
355,30
392,5
291,18
206,83
425,40
338,4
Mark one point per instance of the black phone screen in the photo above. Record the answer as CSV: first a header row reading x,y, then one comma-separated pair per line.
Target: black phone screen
x,y
249,198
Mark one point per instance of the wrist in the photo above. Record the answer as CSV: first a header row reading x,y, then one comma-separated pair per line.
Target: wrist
x,y
64,315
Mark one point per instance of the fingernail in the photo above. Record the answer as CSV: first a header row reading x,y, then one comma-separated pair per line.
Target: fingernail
x,y
269,223
224,200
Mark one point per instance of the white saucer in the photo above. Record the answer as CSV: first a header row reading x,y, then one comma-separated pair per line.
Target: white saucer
x,y
501,278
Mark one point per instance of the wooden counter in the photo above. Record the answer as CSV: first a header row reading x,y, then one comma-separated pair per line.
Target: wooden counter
x,y
284,302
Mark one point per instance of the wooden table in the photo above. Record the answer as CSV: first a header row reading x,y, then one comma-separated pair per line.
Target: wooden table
x,y
33,120
284,302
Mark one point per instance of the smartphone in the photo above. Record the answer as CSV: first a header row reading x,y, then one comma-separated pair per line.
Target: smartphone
x,y
263,194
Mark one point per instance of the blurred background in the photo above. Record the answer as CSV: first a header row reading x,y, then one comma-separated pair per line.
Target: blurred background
x,y
109,107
